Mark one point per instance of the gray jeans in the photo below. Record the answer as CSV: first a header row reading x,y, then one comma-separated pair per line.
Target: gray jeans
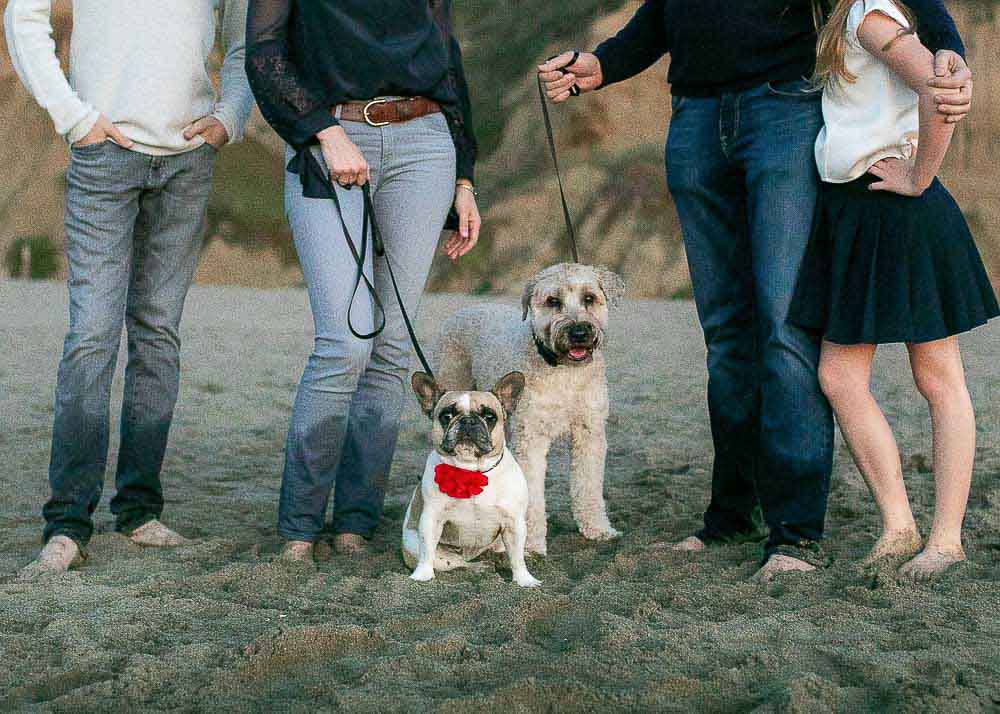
x,y
133,233
346,415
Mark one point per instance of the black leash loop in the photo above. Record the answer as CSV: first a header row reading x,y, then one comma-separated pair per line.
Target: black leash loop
x,y
378,249
555,160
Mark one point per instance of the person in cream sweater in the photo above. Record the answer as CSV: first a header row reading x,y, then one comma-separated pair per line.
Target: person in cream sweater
x,y
144,124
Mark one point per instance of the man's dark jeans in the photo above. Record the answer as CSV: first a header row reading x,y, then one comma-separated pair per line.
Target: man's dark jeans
x,y
133,233
741,171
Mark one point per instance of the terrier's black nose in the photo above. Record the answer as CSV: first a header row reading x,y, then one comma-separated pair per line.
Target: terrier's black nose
x,y
580,332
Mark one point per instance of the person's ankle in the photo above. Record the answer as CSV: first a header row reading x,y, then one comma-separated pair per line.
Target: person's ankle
x,y
900,525
351,544
944,545
300,551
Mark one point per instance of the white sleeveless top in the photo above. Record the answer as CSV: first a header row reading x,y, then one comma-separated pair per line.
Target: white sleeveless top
x,y
873,118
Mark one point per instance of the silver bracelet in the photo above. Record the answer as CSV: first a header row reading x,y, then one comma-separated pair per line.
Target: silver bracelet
x,y
470,189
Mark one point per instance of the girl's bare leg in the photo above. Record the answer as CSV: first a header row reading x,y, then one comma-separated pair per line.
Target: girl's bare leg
x,y
937,369
845,376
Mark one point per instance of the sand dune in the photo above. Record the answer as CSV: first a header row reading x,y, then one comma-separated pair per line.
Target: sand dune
x,y
616,626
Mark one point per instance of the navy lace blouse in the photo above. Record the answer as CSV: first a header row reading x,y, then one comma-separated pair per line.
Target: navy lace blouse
x,y
305,56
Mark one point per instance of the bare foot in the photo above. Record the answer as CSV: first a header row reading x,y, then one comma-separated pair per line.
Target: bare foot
x,y
691,544
350,544
781,564
931,562
891,544
298,551
603,531
322,551
156,535
58,556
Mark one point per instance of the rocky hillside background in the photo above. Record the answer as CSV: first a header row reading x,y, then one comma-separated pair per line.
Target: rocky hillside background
x,y
611,145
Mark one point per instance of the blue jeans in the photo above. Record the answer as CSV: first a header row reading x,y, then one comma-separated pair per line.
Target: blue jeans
x,y
134,226
346,415
741,171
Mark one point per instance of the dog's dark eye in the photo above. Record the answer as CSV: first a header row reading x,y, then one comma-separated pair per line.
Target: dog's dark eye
x,y
446,416
589,300
489,416
553,302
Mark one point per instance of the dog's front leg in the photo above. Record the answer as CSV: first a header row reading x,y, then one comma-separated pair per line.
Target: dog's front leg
x,y
514,536
588,452
532,453
430,528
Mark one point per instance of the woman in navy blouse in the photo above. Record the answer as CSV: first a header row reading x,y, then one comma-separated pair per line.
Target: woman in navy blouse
x,y
363,93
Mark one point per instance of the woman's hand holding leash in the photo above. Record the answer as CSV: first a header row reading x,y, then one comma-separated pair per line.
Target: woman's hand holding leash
x,y
344,161
559,82
469,221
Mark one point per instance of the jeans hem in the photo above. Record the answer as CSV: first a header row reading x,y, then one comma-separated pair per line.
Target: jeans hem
x,y
734,537
808,551
367,534
289,535
132,525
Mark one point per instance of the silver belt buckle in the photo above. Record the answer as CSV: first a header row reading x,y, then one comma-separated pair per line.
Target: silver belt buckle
x,y
369,105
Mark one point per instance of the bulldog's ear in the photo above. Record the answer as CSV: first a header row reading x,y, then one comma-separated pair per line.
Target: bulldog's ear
x,y
529,290
612,285
427,390
508,390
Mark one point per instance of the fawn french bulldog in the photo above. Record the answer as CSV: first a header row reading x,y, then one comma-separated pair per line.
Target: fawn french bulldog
x,y
473,493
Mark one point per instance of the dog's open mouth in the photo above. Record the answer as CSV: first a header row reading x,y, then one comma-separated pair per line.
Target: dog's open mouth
x,y
579,354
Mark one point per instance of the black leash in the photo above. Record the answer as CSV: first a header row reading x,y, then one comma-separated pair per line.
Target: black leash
x,y
378,246
574,91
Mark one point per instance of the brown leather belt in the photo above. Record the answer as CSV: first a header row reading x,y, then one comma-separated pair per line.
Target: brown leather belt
x,y
381,112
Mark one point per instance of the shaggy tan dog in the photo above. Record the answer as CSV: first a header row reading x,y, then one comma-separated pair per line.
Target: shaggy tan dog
x,y
559,351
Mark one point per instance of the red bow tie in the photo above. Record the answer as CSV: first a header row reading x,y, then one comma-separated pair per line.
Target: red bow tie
x,y
459,483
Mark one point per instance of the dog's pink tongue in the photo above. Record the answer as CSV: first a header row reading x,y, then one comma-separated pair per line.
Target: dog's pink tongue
x,y
578,353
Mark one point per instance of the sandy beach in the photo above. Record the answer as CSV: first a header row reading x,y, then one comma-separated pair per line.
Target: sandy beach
x,y
220,625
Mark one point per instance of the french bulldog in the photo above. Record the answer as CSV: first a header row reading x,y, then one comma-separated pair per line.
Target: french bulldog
x,y
473,494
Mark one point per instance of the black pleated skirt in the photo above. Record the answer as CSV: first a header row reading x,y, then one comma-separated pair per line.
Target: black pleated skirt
x,y
883,268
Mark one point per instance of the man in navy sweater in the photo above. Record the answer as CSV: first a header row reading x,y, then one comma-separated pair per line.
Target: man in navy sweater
x,y
742,174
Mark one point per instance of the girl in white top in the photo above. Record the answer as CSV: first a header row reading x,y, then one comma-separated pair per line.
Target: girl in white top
x,y
891,259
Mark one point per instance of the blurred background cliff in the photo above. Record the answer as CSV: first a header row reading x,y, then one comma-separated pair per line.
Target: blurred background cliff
x,y
611,145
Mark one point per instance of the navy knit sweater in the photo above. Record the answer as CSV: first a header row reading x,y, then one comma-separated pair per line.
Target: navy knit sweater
x,y
717,46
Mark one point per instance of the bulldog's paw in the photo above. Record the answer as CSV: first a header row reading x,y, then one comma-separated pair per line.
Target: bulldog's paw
x,y
422,575
526,580
603,532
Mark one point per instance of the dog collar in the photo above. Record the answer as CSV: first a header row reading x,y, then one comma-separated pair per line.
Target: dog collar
x,y
461,483
550,357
